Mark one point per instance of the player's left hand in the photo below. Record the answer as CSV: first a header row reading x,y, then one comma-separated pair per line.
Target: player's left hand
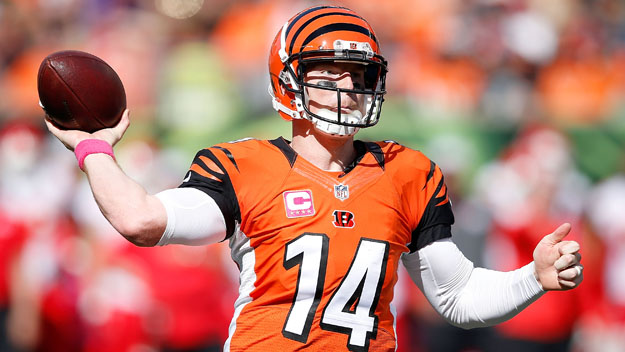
x,y
557,262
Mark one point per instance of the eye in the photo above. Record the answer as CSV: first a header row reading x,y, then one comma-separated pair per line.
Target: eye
x,y
328,72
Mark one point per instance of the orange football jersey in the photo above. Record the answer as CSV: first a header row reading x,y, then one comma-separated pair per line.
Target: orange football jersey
x,y
318,251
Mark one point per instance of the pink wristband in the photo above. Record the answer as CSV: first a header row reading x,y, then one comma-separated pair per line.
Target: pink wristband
x,y
91,146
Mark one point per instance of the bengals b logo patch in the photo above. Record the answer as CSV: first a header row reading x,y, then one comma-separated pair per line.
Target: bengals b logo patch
x,y
343,218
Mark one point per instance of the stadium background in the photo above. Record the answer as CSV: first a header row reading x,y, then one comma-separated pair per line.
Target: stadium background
x,y
519,102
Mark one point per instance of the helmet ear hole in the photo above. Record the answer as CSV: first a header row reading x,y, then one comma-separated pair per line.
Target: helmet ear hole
x,y
284,82
284,77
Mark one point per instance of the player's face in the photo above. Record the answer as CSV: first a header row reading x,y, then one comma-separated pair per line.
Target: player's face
x,y
340,75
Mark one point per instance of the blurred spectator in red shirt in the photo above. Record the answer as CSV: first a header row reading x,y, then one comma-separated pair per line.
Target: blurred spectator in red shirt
x,y
602,329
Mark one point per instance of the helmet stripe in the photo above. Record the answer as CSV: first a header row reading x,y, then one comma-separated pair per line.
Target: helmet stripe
x,y
313,19
306,12
335,27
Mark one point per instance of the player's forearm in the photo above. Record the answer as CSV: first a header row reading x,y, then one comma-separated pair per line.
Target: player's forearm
x,y
138,216
492,297
470,297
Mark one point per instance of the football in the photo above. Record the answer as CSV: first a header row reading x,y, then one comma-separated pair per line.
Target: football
x,y
79,91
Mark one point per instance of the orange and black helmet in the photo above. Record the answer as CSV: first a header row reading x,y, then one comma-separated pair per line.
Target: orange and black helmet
x,y
325,34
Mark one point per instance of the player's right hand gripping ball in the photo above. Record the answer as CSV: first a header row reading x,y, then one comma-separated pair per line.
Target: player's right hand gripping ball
x,y
79,91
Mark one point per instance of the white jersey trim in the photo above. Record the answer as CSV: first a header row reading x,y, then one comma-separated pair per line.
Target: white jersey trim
x,y
245,257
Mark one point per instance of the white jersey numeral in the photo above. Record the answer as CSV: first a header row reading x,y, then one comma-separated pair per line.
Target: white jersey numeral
x,y
352,306
310,252
351,309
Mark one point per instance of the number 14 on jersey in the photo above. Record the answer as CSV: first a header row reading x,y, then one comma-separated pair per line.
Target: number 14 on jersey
x,y
351,309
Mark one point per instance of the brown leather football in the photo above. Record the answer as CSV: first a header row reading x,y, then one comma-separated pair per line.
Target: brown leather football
x,y
79,91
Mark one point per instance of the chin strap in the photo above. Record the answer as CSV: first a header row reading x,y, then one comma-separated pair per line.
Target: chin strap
x,y
334,129
280,107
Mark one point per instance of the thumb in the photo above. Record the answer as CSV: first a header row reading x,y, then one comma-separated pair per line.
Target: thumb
x,y
557,235
123,124
113,134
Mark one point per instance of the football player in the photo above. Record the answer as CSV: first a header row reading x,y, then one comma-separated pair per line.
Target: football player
x,y
319,224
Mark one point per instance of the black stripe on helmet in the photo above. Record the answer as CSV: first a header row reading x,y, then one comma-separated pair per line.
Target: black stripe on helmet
x,y
314,18
335,27
306,12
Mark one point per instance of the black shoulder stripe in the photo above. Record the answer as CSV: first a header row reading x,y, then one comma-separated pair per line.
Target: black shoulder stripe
x,y
219,176
377,153
221,191
435,222
313,19
430,174
229,155
440,185
284,147
210,155
335,27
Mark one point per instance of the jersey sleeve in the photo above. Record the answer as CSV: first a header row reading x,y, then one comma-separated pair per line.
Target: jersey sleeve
x,y
435,215
210,173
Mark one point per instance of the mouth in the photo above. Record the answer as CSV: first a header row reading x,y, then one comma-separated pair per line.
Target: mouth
x,y
344,110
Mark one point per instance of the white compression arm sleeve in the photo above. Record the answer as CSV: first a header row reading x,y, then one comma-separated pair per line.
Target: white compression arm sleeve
x,y
193,218
465,296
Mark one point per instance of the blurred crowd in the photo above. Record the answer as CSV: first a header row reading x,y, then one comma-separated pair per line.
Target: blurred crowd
x,y
520,102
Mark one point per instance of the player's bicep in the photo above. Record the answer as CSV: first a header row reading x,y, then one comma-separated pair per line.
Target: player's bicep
x,y
193,218
441,272
440,265
212,176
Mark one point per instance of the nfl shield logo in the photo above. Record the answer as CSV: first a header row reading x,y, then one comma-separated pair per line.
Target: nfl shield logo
x,y
341,191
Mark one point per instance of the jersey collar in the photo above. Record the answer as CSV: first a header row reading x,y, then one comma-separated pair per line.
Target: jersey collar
x,y
362,148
